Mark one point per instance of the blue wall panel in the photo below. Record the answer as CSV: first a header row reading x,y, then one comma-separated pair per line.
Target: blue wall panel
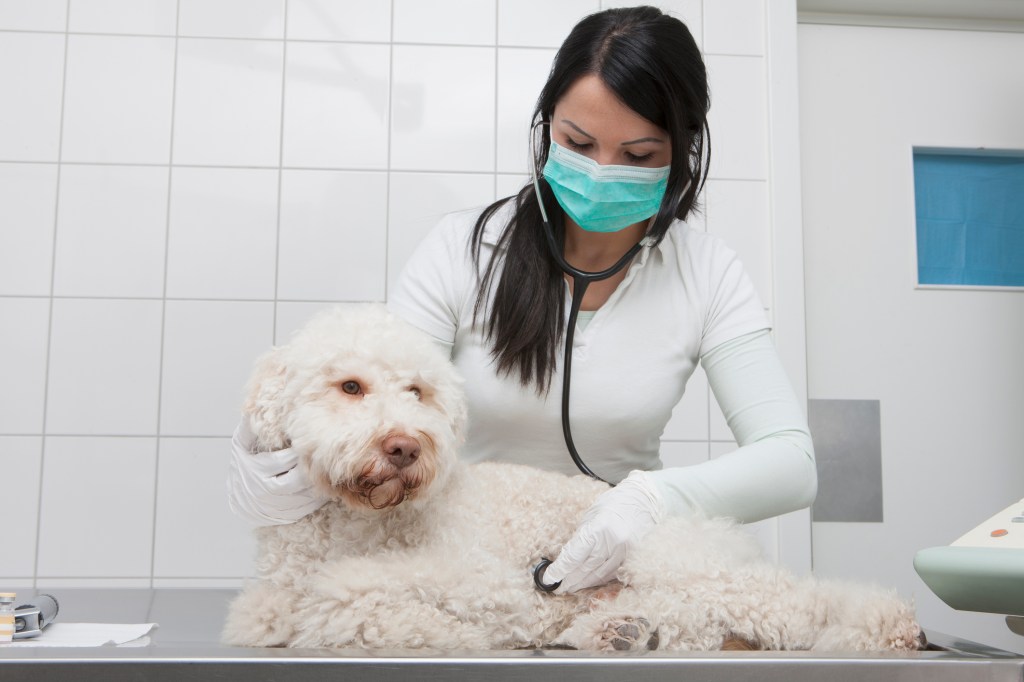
x,y
970,218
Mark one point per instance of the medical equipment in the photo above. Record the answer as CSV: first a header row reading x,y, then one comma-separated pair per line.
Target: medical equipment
x,y
983,570
581,279
7,616
602,198
30,619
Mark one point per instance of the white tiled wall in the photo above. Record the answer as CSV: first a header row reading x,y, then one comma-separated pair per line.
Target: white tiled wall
x,y
183,182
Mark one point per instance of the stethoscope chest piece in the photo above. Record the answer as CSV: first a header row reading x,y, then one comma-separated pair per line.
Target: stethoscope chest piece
x,y
538,577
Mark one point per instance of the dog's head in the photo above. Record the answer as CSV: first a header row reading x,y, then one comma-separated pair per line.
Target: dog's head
x,y
371,405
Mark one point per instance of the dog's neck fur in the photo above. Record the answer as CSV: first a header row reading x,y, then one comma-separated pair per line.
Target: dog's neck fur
x,y
409,524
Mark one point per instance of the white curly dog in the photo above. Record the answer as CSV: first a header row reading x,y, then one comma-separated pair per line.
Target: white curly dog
x,y
419,550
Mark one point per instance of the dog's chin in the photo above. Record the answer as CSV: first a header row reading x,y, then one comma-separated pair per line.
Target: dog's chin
x,y
375,493
375,484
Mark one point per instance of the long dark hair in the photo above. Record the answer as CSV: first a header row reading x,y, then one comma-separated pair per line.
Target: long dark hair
x,y
651,62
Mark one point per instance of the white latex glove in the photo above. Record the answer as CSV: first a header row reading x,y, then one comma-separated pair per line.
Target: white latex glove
x,y
267,488
616,521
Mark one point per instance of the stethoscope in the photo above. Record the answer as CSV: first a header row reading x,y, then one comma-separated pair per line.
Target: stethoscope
x,y
581,279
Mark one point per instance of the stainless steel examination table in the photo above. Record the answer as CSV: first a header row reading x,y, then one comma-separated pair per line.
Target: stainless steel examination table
x,y
185,646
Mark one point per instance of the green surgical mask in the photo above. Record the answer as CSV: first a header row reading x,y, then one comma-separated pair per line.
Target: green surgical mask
x,y
603,198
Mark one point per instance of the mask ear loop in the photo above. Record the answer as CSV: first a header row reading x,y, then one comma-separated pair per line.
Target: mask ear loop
x,y
581,279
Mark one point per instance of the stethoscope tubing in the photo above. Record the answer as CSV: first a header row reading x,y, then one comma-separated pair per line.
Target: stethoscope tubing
x,y
581,279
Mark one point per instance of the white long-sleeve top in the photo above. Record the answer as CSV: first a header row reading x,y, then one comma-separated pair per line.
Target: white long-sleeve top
x,y
684,301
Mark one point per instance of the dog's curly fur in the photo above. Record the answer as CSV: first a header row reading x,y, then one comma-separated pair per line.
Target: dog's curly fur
x,y
419,550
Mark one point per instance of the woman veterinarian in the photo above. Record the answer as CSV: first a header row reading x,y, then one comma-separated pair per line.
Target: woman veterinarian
x,y
620,144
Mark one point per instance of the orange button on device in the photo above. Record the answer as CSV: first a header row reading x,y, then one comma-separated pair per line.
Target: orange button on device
x,y
1000,533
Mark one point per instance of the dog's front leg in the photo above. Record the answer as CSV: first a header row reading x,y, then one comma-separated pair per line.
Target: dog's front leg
x,y
263,614
415,600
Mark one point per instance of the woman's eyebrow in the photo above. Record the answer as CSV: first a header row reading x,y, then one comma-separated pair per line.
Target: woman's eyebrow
x,y
579,130
644,139
584,133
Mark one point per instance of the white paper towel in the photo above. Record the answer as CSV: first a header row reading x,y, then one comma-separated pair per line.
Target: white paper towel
x,y
88,634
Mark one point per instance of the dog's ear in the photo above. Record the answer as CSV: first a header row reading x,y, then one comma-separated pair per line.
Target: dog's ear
x,y
265,402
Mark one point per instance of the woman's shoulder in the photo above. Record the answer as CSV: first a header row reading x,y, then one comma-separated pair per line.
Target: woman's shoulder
x,y
701,258
695,244
458,226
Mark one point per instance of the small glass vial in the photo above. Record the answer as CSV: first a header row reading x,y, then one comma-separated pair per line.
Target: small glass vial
x,y
7,616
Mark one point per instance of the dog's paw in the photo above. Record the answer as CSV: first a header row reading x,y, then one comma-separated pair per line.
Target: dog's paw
x,y
601,632
261,615
907,636
628,634
892,626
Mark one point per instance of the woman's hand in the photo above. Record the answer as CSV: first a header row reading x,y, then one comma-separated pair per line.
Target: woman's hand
x,y
614,524
267,488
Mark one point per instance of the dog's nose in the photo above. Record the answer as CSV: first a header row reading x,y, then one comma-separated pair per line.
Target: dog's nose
x,y
401,450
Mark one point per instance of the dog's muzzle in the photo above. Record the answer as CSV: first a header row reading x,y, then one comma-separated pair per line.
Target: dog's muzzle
x,y
400,466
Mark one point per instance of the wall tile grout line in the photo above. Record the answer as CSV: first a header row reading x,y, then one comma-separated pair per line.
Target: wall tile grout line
x,y
53,277
135,577
191,299
223,436
299,301
770,153
390,125
703,21
163,305
497,89
280,178
115,435
326,169
708,396
511,46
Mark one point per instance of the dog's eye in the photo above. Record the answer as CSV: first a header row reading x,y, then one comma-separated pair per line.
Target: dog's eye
x,y
415,390
351,387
